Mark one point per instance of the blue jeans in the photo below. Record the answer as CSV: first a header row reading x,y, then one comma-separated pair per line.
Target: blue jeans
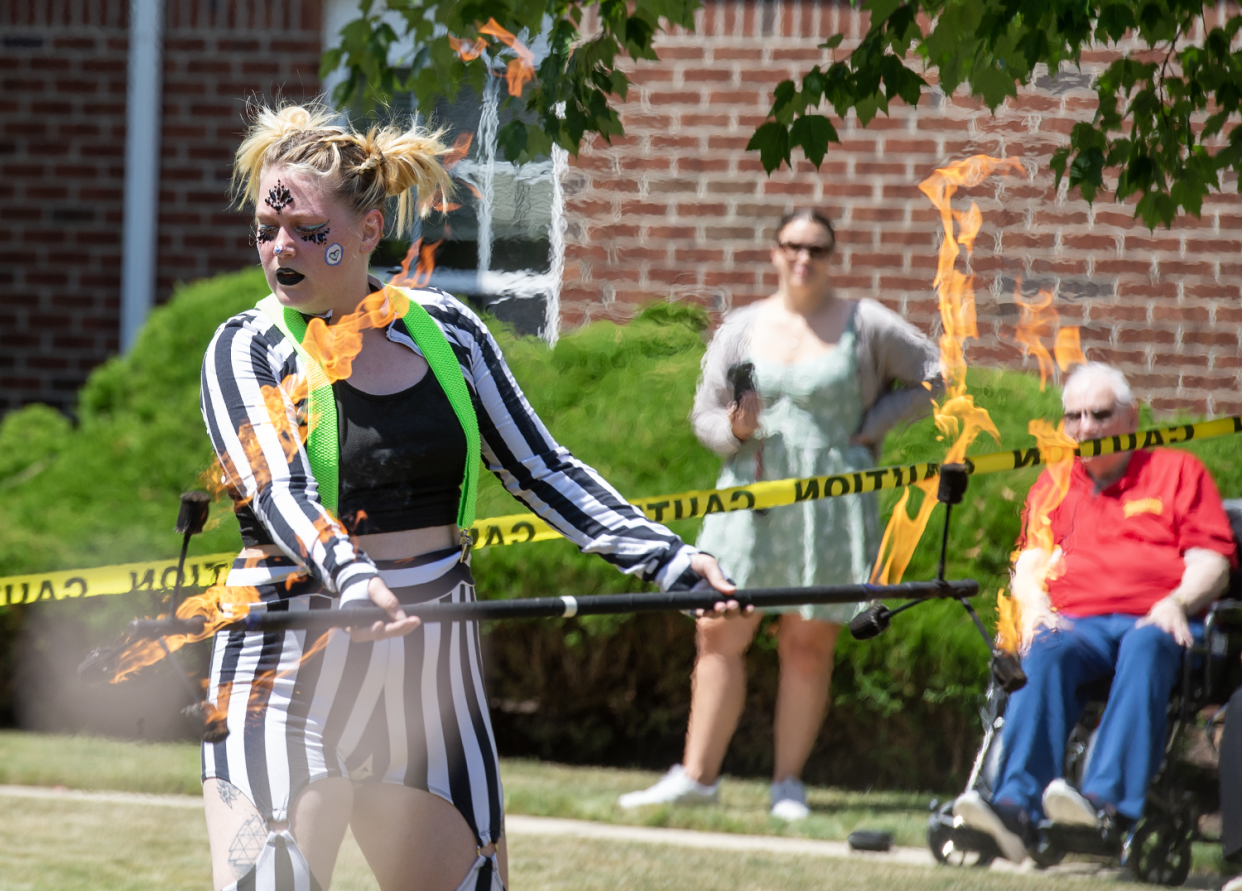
x,y
1130,744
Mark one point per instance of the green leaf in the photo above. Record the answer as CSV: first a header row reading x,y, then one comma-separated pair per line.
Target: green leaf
x,y
832,42
511,139
813,133
992,83
813,86
538,143
880,9
771,140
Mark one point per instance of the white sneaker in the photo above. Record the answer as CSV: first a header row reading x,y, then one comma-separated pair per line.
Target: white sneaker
x,y
789,800
976,813
1064,804
673,788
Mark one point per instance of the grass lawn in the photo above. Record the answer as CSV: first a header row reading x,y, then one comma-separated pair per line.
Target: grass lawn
x,y
72,844
531,787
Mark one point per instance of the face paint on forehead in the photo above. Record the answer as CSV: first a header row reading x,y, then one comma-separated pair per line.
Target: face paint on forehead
x,y
278,197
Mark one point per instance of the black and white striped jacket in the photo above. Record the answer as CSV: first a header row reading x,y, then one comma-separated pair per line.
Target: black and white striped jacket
x,y
243,369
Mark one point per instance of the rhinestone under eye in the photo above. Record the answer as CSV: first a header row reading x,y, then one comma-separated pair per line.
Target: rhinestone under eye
x,y
319,236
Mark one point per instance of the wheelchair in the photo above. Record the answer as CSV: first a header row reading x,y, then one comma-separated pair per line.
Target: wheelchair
x,y
1157,849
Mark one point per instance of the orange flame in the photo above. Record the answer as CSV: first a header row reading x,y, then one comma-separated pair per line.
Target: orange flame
x,y
1037,323
334,347
465,49
426,254
1068,348
1036,560
902,535
1057,450
957,416
1008,622
219,605
522,69
459,150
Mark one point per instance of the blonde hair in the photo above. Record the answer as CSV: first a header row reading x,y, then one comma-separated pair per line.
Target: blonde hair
x,y
362,170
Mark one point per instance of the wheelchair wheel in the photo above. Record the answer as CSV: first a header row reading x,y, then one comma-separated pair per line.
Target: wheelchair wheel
x,y
1046,855
954,847
1159,852
938,837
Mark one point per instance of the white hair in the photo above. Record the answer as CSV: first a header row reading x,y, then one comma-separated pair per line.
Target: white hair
x,y
1089,371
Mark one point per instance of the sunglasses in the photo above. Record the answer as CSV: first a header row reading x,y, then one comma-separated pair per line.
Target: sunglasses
x,y
1100,415
814,251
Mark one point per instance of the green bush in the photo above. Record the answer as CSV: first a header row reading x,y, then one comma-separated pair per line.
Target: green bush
x,y
608,690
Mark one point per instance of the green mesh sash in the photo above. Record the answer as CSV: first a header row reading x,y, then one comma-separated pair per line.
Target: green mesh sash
x,y
322,448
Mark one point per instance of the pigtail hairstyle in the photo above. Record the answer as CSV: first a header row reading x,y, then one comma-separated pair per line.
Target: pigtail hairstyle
x,y
360,170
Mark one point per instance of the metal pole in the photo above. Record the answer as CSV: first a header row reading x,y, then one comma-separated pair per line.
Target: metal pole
x,y
142,166
560,607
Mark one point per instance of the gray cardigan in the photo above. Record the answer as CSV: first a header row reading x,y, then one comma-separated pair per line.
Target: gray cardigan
x,y
890,351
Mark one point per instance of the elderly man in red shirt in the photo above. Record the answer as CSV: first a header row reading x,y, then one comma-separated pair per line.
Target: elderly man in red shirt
x,y
1143,546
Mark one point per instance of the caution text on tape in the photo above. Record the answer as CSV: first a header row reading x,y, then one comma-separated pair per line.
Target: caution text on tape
x,y
160,575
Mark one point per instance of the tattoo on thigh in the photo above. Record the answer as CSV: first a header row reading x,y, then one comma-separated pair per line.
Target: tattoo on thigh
x,y
228,793
247,844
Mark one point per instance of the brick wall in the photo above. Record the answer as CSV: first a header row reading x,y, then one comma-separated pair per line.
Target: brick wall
x,y
676,208
679,208
62,150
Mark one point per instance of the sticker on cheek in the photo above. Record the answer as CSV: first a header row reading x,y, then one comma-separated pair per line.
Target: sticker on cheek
x,y
333,255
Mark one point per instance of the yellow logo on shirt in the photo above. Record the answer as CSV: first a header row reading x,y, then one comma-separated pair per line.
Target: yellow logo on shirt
x,y
1143,506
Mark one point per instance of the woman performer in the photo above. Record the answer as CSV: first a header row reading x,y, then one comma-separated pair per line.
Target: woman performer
x,y
385,730
798,385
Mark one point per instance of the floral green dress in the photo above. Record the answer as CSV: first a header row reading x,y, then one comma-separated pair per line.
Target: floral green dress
x,y
810,410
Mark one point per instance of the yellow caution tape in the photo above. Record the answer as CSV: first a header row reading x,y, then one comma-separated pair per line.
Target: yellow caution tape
x,y
124,578
522,528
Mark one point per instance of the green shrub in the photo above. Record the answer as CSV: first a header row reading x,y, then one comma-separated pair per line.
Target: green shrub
x,y
609,690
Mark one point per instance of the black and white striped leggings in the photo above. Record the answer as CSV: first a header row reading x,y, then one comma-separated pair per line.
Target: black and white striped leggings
x,y
409,710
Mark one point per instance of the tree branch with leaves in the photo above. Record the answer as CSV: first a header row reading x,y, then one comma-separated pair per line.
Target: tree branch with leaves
x,y
1167,123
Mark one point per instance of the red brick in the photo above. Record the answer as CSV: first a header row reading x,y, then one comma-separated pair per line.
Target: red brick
x,y
675,97
707,75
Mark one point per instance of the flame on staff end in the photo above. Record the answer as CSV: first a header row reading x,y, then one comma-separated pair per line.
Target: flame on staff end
x,y
956,416
218,605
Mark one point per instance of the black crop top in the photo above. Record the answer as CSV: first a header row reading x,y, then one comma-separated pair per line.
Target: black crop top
x,y
402,458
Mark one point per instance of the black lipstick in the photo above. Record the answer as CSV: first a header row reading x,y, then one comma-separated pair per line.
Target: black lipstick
x,y
287,276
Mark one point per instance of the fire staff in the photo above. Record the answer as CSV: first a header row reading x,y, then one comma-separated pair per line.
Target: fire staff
x,y
386,729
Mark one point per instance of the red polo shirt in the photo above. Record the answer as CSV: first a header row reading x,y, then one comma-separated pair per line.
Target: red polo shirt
x,y
1123,547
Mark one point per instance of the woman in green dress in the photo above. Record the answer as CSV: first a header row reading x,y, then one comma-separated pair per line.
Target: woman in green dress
x,y
828,377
